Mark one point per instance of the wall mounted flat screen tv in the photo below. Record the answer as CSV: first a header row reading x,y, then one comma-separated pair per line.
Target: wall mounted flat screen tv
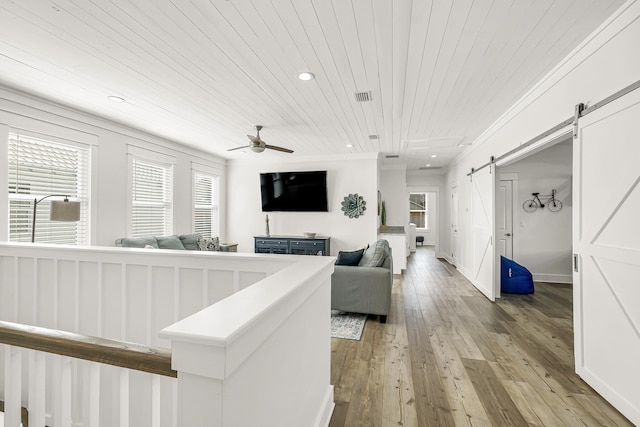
x,y
294,191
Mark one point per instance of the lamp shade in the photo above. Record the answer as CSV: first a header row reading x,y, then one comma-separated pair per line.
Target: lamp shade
x,y
64,211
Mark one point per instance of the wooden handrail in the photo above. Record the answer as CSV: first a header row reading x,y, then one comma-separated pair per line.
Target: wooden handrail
x,y
112,352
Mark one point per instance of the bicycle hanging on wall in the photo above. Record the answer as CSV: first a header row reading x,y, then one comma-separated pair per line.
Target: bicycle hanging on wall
x,y
552,203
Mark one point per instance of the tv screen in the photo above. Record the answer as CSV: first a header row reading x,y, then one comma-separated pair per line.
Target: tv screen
x,y
294,191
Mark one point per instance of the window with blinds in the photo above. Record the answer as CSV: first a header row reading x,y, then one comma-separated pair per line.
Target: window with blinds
x,y
205,204
39,168
418,209
151,204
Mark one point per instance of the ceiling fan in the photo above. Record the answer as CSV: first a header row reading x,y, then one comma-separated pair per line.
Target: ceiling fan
x,y
258,145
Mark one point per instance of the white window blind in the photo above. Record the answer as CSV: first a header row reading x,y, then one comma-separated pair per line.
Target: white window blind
x,y
151,206
205,209
39,168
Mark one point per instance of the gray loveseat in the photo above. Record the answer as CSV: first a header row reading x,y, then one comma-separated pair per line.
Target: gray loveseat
x,y
364,288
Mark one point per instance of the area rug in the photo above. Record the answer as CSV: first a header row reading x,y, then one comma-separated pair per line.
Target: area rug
x,y
348,326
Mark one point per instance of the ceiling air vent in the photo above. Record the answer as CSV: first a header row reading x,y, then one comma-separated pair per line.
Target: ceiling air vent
x,y
363,96
392,156
429,168
372,137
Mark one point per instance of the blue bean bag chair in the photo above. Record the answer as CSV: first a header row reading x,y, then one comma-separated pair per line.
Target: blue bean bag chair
x,y
514,278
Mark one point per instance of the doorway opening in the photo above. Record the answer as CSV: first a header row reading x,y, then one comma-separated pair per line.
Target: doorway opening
x,y
539,239
423,213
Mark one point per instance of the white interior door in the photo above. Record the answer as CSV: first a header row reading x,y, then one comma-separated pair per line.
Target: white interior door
x,y
504,219
482,205
606,239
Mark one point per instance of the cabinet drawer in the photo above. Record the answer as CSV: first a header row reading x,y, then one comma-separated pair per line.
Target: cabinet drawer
x,y
307,243
272,243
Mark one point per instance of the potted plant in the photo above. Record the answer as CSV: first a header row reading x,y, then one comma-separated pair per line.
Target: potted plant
x,y
383,217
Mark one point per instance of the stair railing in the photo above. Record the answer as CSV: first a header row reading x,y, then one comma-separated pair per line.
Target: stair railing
x,y
24,342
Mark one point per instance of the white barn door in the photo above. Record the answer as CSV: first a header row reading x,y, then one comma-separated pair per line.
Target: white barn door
x,y
482,206
606,239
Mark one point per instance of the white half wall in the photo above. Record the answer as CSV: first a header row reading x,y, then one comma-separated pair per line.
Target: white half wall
x,y
345,175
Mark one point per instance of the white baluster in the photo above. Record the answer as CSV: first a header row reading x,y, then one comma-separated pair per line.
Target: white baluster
x,y
93,374
65,391
62,398
37,391
155,401
12,385
124,398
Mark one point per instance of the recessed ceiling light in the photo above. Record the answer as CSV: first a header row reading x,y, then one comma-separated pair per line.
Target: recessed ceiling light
x,y
116,98
428,165
306,76
349,145
433,156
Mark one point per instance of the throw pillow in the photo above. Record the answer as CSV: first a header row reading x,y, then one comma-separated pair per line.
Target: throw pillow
x,y
349,258
209,243
375,254
190,241
169,242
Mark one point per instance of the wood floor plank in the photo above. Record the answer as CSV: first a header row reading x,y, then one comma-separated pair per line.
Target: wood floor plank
x,y
432,405
463,398
447,356
398,404
532,407
496,400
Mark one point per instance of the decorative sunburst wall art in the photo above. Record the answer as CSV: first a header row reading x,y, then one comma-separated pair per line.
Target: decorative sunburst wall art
x,y
354,205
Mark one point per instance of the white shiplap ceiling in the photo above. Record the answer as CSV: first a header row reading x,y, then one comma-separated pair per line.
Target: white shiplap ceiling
x,y
202,73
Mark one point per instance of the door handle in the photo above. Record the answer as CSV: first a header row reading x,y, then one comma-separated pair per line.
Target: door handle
x,y
507,234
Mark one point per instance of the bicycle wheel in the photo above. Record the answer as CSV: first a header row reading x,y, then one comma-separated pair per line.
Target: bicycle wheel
x,y
530,205
555,205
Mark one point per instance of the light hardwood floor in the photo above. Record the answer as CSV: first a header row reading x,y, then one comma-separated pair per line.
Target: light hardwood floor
x,y
447,356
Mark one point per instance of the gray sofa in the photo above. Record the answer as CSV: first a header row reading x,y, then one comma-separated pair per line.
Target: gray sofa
x,y
179,242
362,288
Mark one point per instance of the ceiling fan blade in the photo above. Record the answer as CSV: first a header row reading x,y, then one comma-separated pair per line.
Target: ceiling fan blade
x,y
238,148
275,147
253,139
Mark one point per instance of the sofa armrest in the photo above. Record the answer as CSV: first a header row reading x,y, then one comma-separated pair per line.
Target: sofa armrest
x,y
361,289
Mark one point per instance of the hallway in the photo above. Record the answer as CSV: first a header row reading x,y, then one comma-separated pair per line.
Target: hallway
x,y
449,357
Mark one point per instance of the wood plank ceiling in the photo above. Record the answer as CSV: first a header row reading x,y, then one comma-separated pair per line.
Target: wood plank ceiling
x,y
202,73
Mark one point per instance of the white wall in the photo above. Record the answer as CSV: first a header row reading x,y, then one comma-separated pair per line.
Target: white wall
x,y
542,239
110,142
603,64
345,175
393,186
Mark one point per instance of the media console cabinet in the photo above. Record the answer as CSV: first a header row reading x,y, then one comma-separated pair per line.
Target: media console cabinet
x,y
292,245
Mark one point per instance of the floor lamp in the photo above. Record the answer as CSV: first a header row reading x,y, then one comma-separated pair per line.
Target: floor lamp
x,y
60,211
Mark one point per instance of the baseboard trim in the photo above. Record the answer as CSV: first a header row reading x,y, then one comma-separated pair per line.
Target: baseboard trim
x,y
553,278
326,409
447,257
